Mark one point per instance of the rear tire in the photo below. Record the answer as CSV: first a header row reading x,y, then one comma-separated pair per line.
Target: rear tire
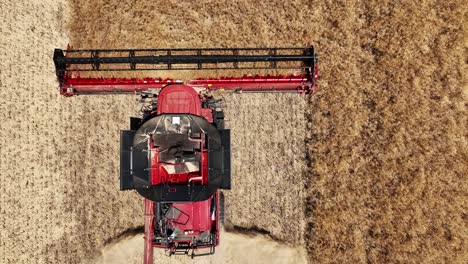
x,y
218,119
221,209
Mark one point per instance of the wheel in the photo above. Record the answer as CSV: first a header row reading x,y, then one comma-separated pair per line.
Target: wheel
x,y
221,209
218,119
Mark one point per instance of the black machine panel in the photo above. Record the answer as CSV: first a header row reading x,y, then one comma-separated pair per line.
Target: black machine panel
x,y
226,156
219,160
126,143
135,123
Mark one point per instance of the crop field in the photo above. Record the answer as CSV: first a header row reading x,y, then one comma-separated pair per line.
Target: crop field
x,y
372,168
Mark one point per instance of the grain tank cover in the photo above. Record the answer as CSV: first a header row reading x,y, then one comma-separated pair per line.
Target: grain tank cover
x,y
175,137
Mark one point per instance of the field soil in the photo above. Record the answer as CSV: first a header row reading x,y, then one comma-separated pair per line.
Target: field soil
x,y
235,248
59,159
370,169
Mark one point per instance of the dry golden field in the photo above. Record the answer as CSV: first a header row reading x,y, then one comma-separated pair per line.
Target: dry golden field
x,y
370,169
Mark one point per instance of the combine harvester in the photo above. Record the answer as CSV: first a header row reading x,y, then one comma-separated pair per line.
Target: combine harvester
x,y
177,153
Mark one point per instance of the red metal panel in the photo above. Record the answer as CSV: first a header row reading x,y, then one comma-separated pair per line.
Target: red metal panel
x,y
204,168
76,85
179,99
198,214
255,83
207,113
149,231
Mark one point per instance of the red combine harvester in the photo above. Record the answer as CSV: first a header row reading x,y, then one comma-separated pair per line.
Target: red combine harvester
x,y
177,153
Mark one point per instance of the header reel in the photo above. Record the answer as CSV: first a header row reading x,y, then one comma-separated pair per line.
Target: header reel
x,y
69,63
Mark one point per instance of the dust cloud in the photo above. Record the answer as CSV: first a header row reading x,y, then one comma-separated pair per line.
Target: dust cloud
x,y
234,248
